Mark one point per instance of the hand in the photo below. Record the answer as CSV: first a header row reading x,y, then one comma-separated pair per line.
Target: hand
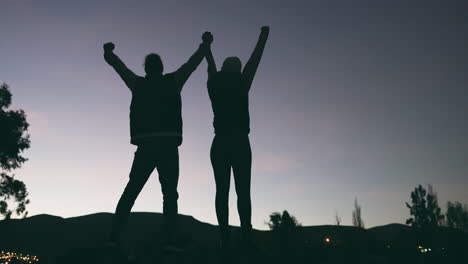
x,y
207,38
109,47
265,29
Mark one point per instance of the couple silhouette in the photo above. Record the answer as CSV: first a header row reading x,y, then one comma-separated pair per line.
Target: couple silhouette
x,y
156,130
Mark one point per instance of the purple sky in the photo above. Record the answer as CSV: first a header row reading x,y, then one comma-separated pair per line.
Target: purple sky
x,y
360,99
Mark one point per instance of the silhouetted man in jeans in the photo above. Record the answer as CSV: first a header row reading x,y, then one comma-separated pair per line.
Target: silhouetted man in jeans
x,y
156,128
229,95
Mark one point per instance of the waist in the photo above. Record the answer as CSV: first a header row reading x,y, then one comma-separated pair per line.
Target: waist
x,y
157,139
232,136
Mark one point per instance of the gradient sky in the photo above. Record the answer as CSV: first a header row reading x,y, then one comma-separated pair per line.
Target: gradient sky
x,y
361,99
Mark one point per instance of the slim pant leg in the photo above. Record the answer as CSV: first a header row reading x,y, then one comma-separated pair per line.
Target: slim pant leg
x,y
220,162
242,168
142,167
168,169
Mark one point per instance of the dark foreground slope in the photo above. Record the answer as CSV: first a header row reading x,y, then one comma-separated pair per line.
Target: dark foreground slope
x,y
52,235
82,239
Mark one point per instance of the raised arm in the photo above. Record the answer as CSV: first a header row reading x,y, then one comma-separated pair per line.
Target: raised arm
x,y
210,60
184,72
251,66
113,60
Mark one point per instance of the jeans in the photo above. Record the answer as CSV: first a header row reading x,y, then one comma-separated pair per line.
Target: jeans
x,y
148,157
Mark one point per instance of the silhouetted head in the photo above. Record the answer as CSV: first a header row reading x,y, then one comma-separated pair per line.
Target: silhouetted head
x,y
231,64
153,65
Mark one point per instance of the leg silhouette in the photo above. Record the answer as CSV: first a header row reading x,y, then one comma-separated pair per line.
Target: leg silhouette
x,y
220,161
142,167
242,167
168,169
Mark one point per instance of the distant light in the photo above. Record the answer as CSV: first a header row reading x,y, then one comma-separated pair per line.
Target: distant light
x,y
328,240
420,247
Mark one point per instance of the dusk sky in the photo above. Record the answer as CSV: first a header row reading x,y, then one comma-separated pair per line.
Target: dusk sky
x,y
361,99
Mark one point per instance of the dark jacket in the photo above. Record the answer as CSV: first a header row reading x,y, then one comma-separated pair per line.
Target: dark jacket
x,y
156,111
156,107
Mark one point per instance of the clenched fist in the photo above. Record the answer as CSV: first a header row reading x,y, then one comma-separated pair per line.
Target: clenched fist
x,y
266,29
109,47
207,38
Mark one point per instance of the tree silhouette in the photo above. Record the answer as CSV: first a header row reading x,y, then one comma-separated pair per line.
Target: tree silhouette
x,y
425,211
457,216
13,141
337,219
357,219
436,217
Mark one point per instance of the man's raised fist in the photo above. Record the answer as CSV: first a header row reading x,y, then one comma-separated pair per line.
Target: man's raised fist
x,y
109,46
